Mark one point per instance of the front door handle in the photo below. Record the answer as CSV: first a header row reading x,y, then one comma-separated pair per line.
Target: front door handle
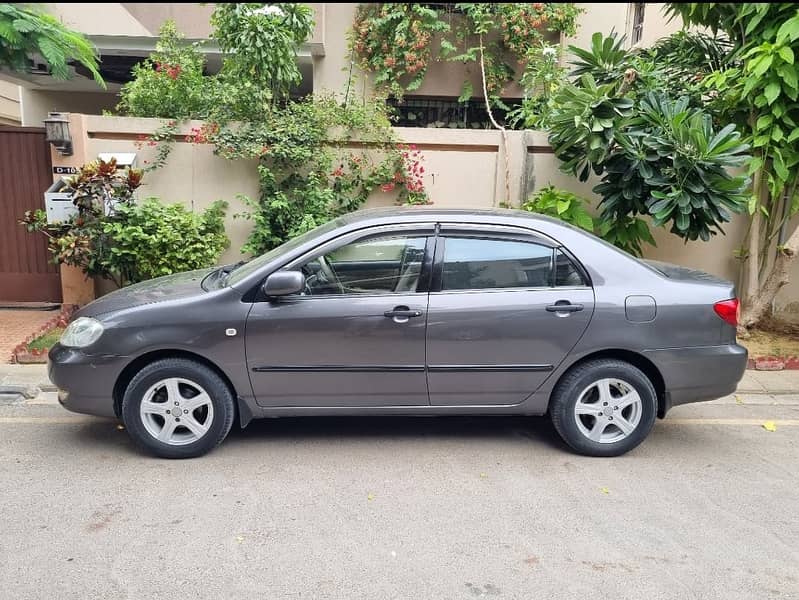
x,y
564,306
401,314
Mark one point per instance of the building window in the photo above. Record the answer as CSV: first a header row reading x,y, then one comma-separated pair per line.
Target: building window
x,y
447,112
638,21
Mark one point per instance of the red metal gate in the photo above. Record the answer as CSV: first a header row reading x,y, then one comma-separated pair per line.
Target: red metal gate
x,y
26,273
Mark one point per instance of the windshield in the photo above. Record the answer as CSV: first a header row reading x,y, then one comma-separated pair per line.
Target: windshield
x,y
245,270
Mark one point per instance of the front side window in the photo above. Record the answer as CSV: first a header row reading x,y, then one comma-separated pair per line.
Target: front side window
x,y
386,264
476,264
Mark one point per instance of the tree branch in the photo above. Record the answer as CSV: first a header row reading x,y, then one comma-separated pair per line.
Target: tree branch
x,y
495,124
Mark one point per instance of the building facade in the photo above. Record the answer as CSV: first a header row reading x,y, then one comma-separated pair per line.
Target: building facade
x,y
125,33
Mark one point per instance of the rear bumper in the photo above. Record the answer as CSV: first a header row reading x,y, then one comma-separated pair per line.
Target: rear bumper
x,y
698,374
85,382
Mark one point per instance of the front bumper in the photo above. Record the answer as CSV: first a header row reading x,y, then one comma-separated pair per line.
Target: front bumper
x,y
698,374
85,382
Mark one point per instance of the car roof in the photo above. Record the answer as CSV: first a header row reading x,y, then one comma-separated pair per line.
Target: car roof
x,y
488,215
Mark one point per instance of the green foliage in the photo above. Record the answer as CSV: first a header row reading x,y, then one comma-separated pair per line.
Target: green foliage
x,y
46,340
25,32
756,87
113,237
541,79
261,43
152,239
393,40
170,83
306,177
562,205
656,155
162,139
626,233
674,65
97,190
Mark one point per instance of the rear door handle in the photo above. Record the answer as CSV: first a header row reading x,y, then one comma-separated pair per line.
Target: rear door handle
x,y
564,306
401,314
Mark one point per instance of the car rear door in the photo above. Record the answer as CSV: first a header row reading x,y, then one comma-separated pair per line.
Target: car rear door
x,y
356,337
505,309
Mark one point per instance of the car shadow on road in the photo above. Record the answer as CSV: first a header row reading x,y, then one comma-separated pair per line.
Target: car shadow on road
x,y
105,436
405,428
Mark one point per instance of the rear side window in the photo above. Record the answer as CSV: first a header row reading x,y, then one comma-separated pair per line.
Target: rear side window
x,y
477,264
566,273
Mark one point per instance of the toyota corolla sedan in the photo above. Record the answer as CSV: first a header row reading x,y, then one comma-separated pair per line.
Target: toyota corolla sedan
x,y
407,312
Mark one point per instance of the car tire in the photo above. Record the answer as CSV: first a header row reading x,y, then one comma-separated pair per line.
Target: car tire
x,y
157,421
604,407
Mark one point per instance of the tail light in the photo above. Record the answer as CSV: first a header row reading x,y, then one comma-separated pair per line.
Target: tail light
x,y
728,310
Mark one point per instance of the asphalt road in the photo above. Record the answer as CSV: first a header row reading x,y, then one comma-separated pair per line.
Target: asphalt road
x,y
403,508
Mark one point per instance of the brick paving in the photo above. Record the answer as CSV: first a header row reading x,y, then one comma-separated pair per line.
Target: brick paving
x,y
16,325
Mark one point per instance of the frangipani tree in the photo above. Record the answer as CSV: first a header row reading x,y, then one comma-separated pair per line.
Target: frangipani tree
x,y
757,88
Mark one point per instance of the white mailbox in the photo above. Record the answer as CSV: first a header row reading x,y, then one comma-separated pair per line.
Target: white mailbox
x,y
58,204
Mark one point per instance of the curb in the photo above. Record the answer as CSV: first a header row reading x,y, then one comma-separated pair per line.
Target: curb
x,y
773,363
14,394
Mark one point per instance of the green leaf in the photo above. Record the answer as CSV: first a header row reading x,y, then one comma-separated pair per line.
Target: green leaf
x,y
786,54
585,221
764,121
447,47
562,206
788,30
760,65
771,92
779,167
467,91
761,140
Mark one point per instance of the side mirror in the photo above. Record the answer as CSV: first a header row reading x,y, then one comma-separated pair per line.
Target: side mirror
x,y
283,283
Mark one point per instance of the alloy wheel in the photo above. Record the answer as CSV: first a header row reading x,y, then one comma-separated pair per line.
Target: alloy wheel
x,y
176,411
608,411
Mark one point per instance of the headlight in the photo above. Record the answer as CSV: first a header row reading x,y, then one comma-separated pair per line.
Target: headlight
x,y
82,332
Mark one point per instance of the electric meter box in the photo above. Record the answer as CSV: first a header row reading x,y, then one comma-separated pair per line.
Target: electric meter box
x,y
59,204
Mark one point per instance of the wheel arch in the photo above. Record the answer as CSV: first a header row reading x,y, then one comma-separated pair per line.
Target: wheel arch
x,y
130,370
637,360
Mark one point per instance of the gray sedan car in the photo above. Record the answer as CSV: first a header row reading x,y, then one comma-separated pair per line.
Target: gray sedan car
x,y
408,312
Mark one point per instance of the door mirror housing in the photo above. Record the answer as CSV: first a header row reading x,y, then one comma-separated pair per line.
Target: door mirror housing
x,y
283,283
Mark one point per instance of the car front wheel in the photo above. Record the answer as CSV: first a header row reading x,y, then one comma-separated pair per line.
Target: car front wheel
x,y
177,408
604,407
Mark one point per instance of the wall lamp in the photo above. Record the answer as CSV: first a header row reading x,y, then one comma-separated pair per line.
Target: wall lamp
x,y
56,128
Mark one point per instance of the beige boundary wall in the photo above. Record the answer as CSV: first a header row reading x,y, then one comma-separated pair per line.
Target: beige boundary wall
x,y
462,169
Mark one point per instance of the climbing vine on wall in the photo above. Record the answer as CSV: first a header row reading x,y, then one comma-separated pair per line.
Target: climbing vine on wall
x,y
392,41
308,169
316,158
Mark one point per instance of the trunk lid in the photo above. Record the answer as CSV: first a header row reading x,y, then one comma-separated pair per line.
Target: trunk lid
x,y
679,273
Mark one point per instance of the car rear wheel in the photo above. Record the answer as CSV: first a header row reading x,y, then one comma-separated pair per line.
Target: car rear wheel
x,y
177,408
604,407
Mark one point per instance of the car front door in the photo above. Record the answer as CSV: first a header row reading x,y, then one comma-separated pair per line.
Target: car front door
x,y
504,311
356,335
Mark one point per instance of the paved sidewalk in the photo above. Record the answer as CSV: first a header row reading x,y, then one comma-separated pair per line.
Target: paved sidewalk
x,y
19,383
